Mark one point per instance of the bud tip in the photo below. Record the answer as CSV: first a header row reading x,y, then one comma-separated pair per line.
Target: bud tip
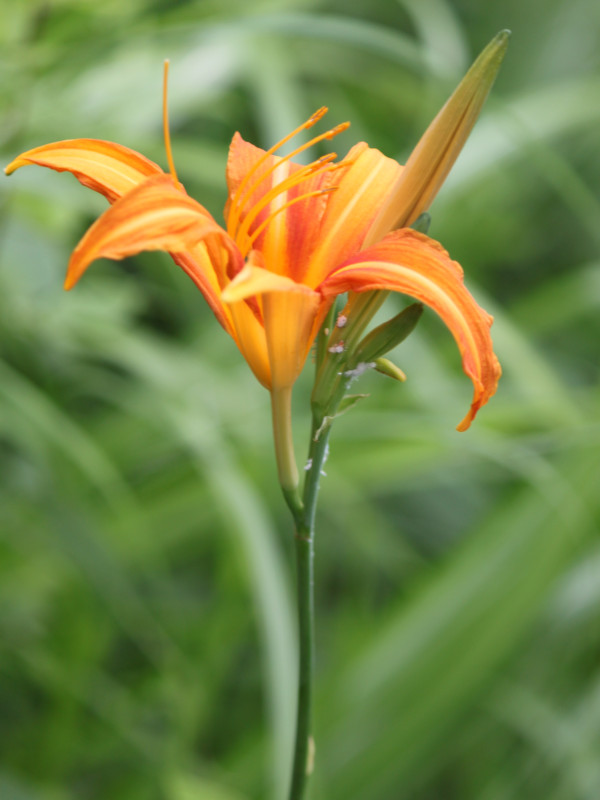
x,y
500,40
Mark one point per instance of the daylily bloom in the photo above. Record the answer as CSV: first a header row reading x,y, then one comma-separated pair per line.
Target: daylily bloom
x,y
295,236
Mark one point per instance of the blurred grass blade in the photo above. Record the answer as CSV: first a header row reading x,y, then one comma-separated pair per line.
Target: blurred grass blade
x,y
433,659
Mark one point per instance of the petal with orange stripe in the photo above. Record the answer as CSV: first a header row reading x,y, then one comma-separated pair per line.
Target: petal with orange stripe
x,y
197,264
361,189
411,263
156,215
108,168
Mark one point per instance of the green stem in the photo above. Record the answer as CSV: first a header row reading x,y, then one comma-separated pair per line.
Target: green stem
x,y
305,533
302,765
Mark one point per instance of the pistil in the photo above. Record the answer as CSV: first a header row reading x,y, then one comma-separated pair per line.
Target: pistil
x,y
166,133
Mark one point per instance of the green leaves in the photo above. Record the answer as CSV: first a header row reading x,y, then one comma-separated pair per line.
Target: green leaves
x,y
386,336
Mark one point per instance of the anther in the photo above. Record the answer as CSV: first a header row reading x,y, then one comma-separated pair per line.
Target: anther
x,y
319,114
338,129
344,164
325,159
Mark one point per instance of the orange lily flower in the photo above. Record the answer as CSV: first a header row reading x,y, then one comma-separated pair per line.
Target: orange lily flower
x,y
295,236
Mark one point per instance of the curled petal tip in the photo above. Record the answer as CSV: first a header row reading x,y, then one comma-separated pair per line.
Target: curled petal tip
x,y
75,269
70,281
483,392
14,165
465,424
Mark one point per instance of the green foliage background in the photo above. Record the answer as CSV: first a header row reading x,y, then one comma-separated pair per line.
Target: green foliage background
x,y
146,607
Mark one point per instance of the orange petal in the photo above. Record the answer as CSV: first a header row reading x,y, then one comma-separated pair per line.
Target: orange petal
x,y
439,147
256,280
409,262
289,311
251,340
156,215
197,264
108,168
360,192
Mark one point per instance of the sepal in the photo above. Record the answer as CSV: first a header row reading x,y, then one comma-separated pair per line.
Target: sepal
x,y
387,335
348,402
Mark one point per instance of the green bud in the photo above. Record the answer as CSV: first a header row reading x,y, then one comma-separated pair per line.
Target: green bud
x,y
386,367
439,147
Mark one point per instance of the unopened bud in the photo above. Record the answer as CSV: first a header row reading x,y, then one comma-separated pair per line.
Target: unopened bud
x,y
387,367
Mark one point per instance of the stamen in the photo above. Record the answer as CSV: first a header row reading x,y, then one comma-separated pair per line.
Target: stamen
x,y
248,193
312,120
240,196
292,180
269,219
167,135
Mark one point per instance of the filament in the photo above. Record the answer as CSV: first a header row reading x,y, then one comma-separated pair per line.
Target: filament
x,y
242,193
321,165
248,193
312,120
269,219
284,186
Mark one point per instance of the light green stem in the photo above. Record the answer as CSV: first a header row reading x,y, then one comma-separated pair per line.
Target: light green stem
x,y
281,408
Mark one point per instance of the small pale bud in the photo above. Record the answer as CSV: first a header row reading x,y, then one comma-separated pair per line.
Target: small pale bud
x,y
387,367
